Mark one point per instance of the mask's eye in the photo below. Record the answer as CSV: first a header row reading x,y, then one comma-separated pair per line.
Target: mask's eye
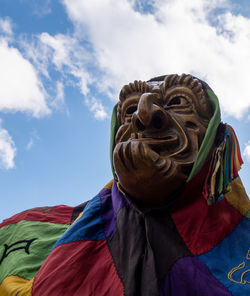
x,y
130,110
178,101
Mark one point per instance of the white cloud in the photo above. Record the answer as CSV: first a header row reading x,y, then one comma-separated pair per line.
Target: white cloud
x,y
6,26
39,56
7,149
21,89
61,45
180,36
69,57
58,102
246,152
60,92
62,53
41,8
33,139
30,144
96,108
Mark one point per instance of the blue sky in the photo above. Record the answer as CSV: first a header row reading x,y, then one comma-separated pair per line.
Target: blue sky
x,y
62,64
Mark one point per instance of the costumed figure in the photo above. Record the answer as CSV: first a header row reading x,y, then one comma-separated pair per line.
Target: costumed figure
x,y
173,221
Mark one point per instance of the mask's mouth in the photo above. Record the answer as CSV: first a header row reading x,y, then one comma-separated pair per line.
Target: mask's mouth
x,y
162,145
175,142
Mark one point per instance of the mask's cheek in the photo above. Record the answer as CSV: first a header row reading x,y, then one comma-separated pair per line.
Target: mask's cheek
x,y
198,132
119,158
194,126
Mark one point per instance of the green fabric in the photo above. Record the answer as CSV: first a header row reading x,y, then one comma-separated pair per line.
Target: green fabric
x,y
207,144
114,128
247,215
19,262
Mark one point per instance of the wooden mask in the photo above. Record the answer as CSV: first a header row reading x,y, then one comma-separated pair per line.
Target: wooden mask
x,y
162,125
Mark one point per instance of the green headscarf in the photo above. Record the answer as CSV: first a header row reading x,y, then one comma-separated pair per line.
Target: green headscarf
x,y
207,145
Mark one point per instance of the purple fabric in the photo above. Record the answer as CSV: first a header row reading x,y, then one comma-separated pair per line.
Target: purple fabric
x,y
112,202
190,277
119,200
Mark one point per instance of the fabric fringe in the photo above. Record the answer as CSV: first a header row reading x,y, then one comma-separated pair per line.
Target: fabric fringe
x,y
224,166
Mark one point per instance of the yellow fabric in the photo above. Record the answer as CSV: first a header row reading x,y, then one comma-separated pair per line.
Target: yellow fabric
x,y
233,157
237,197
238,165
213,179
13,284
79,216
109,185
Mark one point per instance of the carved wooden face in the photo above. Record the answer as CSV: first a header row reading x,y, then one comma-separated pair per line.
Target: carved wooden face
x,y
162,126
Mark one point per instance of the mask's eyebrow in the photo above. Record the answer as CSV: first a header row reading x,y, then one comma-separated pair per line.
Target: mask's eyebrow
x,y
136,86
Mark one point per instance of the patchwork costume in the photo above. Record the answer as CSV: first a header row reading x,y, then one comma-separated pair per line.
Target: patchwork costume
x,y
197,244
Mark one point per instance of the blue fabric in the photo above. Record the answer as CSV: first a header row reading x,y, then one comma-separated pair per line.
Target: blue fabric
x,y
88,227
229,261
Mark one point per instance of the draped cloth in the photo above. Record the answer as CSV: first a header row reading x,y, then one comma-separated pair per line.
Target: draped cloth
x,y
197,245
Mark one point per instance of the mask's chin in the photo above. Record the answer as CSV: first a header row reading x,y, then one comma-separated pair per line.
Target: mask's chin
x,y
152,190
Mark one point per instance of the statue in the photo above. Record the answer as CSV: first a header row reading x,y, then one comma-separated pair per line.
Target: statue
x,y
173,221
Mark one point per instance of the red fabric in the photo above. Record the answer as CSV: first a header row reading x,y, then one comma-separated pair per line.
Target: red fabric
x,y
238,147
80,268
57,214
209,225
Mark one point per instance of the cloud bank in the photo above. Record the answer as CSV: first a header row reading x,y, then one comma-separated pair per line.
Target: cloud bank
x,y
117,41
173,37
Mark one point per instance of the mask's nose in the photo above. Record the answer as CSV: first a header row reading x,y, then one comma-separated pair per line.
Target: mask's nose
x,y
149,115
